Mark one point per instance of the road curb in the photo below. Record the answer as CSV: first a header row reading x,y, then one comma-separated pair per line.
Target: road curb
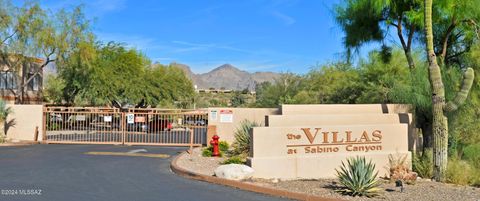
x,y
17,144
242,185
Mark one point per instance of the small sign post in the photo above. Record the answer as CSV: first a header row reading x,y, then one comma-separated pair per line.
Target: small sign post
x,y
130,118
107,118
226,116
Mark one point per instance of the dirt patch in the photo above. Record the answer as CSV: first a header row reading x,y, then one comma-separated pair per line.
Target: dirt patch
x,y
422,190
195,162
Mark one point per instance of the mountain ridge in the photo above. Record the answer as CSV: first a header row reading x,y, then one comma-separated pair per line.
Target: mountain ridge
x,y
227,76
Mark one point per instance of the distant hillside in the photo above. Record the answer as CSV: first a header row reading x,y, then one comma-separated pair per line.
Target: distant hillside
x,y
228,77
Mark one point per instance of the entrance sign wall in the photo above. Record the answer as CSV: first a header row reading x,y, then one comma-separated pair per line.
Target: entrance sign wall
x,y
311,146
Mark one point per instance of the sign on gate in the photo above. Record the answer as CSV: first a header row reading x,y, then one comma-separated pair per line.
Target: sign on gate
x,y
226,116
107,118
140,119
130,118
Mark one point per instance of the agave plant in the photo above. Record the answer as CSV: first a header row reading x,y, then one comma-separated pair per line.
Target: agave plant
x,y
241,145
358,177
4,125
4,110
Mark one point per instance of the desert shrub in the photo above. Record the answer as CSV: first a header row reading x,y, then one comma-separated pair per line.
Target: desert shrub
x,y
358,177
399,169
234,160
472,154
423,164
207,152
5,111
476,177
222,146
241,145
459,172
2,138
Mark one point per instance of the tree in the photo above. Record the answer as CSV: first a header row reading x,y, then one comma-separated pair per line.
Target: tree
x,y
168,84
30,32
374,18
281,91
238,99
455,24
118,73
113,73
456,27
54,89
440,106
334,83
380,79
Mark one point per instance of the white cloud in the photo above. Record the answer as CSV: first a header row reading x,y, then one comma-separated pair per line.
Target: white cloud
x,y
132,41
206,46
287,20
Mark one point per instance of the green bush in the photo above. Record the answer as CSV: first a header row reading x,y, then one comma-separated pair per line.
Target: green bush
x,y
423,164
472,154
476,177
358,177
459,172
400,169
2,138
234,160
207,152
222,146
5,111
241,145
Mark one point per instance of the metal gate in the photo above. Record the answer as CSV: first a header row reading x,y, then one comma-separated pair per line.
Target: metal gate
x,y
84,125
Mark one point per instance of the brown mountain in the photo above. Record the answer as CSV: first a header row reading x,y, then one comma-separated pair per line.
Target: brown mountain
x,y
228,77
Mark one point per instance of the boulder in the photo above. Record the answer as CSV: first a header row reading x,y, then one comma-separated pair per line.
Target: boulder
x,y
234,172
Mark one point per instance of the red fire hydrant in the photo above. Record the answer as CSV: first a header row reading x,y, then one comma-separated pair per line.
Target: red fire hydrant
x,y
214,143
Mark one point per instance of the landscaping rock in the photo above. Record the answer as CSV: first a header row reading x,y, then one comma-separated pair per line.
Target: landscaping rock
x,y
234,172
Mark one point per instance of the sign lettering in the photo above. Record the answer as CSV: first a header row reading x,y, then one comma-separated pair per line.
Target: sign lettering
x,y
334,141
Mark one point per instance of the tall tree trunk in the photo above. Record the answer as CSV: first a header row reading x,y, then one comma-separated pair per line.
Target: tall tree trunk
x,y
411,63
439,127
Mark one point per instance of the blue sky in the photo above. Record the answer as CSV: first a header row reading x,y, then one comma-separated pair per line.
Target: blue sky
x,y
254,35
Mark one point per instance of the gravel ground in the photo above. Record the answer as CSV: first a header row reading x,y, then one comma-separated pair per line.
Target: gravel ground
x,y
195,162
422,190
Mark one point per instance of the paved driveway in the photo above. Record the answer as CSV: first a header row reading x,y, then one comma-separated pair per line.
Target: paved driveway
x,y
64,172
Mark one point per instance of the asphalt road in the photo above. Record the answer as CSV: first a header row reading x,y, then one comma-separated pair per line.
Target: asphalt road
x,y
64,172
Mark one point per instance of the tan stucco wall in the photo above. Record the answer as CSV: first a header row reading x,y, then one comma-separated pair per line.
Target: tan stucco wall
x,y
347,119
270,159
345,109
282,149
334,119
226,130
27,117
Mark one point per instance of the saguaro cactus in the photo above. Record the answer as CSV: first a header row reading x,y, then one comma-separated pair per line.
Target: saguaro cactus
x,y
440,107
